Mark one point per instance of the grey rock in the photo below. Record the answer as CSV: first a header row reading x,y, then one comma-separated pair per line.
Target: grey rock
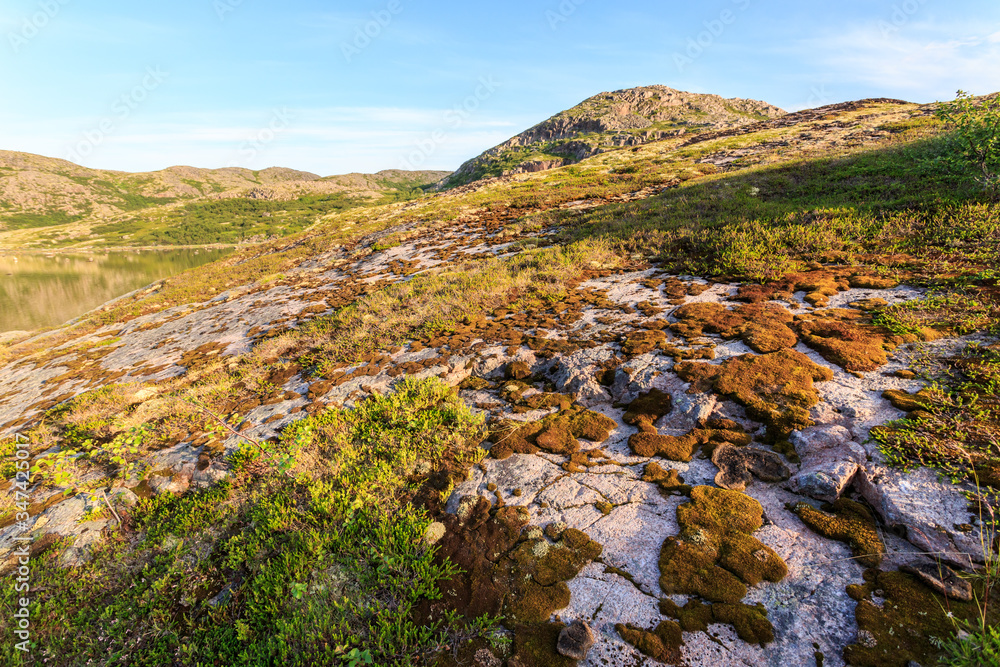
x,y
927,507
576,640
943,579
830,461
739,465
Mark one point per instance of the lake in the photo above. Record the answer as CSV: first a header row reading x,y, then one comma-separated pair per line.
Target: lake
x,y
47,290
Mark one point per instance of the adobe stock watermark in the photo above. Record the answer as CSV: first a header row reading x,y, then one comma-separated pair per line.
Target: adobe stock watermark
x,y
281,120
365,34
714,29
19,486
819,96
34,24
562,13
223,7
902,14
454,118
121,110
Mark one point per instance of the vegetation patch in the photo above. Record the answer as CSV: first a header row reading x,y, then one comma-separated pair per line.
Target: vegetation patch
x,y
902,620
776,389
715,556
954,423
849,522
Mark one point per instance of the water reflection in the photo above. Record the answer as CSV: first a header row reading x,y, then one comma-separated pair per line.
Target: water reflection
x,y
42,291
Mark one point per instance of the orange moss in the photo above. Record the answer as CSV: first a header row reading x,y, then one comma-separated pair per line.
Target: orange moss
x,y
776,389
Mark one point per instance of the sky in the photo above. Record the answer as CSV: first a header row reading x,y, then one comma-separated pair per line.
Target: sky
x,y
366,85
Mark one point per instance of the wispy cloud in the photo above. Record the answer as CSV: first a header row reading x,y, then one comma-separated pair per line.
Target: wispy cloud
x,y
326,141
923,61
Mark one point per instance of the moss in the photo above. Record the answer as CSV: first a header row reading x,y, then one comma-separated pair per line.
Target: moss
x,y
903,625
907,402
662,643
776,389
786,449
715,556
641,342
750,622
846,521
872,282
762,327
475,384
557,433
669,481
675,448
645,410
518,370
604,507
852,345
535,645
694,616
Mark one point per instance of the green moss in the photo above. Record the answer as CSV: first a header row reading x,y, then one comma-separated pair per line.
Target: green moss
x,y
662,643
715,556
557,433
903,625
846,521
535,644
668,480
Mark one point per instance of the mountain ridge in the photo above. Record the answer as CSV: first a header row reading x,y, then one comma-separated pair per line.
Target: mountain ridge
x,y
608,120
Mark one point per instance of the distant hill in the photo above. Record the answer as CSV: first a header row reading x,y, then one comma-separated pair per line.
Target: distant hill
x,y
621,118
70,201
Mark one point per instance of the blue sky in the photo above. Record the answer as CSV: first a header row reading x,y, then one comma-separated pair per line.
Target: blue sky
x,y
141,86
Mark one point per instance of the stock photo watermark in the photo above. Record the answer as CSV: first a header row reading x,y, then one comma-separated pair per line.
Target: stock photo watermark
x,y
281,120
365,34
454,118
714,29
562,13
19,486
901,15
223,7
34,24
121,109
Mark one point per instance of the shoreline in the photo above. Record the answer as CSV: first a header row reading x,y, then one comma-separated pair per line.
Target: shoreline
x,y
97,251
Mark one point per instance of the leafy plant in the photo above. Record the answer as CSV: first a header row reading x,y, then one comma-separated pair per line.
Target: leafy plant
x,y
977,134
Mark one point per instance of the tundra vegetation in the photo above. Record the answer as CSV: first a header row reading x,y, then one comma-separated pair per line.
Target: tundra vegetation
x,y
323,545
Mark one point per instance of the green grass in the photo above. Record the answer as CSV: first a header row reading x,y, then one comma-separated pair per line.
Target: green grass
x,y
32,220
320,566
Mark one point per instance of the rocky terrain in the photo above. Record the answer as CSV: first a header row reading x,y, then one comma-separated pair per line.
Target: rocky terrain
x,y
699,401
603,122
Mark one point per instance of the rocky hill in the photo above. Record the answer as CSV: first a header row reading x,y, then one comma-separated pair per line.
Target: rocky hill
x,y
66,201
726,398
611,120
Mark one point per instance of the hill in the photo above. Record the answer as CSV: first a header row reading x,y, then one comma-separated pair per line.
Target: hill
x,y
50,203
752,371
618,119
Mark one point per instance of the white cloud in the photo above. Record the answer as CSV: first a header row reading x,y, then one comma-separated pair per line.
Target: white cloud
x,y
917,61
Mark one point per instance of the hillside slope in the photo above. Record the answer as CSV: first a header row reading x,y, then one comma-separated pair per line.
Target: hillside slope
x,y
724,370
66,201
621,118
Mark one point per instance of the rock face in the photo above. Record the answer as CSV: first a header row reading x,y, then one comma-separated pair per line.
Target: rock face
x,y
611,120
830,460
576,640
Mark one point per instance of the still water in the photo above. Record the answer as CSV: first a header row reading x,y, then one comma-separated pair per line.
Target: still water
x,y
43,291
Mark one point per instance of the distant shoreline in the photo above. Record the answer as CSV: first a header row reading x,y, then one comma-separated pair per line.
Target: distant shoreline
x,y
98,251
